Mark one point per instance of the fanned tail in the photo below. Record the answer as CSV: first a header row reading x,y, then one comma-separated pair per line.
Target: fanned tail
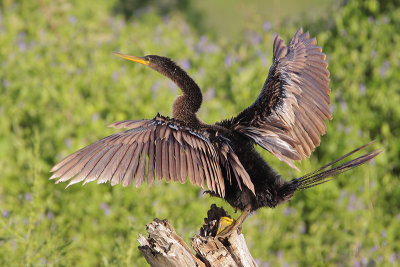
x,y
321,175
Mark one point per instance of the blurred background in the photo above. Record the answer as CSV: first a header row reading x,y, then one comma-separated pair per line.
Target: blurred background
x,y
60,86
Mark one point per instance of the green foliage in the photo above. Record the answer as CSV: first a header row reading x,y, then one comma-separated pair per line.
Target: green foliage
x,y
60,86
132,9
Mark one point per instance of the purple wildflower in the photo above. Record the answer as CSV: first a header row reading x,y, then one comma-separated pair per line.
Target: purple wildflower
x,y
106,208
95,117
72,20
185,64
352,203
28,197
173,88
254,38
228,60
339,127
333,108
204,46
343,105
379,259
371,19
384,233
5,213
393,258
156,85
362,89
264,59
287,211
115,75
385,20
50,215
267,26
6,83
302,229
22,46
210,94
279,254
364,261
201,44
68,142
383,70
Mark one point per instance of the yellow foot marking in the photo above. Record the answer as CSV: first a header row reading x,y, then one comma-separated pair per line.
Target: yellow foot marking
x,y
224,222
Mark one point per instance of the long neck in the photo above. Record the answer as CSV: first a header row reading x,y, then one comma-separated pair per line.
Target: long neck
x,y
188,103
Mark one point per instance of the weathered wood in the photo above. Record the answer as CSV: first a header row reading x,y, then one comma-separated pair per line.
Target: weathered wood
x,y
163,247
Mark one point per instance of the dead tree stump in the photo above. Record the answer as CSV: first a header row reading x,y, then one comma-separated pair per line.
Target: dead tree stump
x,y
164,247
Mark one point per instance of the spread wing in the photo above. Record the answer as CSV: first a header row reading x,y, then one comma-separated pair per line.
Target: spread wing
x,y
152,149
287,118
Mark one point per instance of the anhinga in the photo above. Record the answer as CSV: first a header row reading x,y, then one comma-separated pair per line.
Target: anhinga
x,y
287,119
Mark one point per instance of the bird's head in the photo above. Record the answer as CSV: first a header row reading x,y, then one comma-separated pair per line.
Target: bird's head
x,y
188,103
163,65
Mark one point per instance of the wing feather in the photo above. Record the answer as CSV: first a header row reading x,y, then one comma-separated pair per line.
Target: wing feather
x,y
155,149
288,117
70,167
195,164
123,166
103,163
112,165
190,162
130,171
89,166
141,171
159,174
205,169
183,165
118,165
150,172
171,160
165,166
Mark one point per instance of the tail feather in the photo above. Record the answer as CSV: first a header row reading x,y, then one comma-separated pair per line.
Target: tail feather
x,y
345,156
308,181
321,175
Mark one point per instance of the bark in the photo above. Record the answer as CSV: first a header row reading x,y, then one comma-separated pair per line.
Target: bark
x,y
164,247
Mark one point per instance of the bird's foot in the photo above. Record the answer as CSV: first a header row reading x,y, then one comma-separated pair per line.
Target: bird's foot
x,y
226,226
224,222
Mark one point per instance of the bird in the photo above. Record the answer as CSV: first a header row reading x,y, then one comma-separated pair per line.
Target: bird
x,y
287,119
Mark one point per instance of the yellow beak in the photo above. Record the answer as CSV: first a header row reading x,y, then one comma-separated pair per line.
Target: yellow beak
x,y
140,60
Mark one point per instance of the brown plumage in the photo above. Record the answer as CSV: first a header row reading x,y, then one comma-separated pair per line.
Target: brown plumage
x,y
287,119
